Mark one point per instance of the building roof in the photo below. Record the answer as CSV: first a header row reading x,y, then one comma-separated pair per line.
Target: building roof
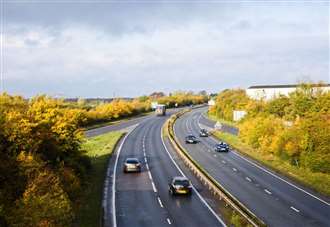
x,y
285,86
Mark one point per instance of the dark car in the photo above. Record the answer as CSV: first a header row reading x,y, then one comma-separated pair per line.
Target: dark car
x,y
180,186
203,133
132,165
221,147
191,139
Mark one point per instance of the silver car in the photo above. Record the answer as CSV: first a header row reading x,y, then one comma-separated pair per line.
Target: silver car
x,y
132,165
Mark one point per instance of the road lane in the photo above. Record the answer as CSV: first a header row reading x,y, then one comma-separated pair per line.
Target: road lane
x,y
275,201
143,199
125,124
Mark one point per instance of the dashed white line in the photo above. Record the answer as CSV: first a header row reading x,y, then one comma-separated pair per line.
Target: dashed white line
x,y
248,179
195,190
223,161
268,192
153,187
295,209
215,155
160,202
168,221
274,175
234,169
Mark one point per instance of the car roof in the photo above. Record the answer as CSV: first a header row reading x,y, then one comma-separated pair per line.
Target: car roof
x,y
132,159
179,178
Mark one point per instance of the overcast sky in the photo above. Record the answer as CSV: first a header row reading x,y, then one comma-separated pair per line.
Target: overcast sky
x,y
101,49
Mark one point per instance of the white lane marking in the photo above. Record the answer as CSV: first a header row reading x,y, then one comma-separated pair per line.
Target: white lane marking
x,y
195,190
153,187
145,159
234,169
187,125
114,219
268,192
274,175
147,166
150,177
223,161
168,221
248,179
215,155
160,202
295,209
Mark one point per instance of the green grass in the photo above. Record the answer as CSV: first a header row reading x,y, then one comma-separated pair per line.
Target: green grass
x,y
223,121
320,182
124,119
99,149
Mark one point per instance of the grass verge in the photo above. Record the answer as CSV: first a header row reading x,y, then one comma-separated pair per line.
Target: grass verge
x,y
124,119
222,121
99,149
319,182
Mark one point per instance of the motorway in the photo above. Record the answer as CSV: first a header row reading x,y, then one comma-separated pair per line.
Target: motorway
x,y
273,198
142,199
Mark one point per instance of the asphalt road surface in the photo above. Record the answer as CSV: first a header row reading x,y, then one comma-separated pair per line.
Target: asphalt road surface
x,y
274,198
142,199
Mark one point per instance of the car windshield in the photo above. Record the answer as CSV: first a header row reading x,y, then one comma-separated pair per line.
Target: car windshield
x,y
132,161
184,183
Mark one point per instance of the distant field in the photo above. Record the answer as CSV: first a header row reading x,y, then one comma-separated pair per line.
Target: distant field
x,y
99,149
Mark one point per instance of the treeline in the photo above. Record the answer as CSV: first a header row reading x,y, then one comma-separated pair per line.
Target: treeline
x,y
43,169
118,109
295,128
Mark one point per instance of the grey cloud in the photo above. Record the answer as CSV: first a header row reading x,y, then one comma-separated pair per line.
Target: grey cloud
x,y
134,49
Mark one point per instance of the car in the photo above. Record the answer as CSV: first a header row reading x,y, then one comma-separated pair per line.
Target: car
x,y
191,139
203,133
132,165
180,186
221,147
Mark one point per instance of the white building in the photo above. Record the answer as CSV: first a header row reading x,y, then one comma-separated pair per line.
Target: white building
x,y
238,115
211,102
268,92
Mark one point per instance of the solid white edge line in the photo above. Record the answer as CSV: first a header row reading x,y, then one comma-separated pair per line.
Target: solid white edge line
x,y
276,176
114,219
153,186
150,177
195,190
